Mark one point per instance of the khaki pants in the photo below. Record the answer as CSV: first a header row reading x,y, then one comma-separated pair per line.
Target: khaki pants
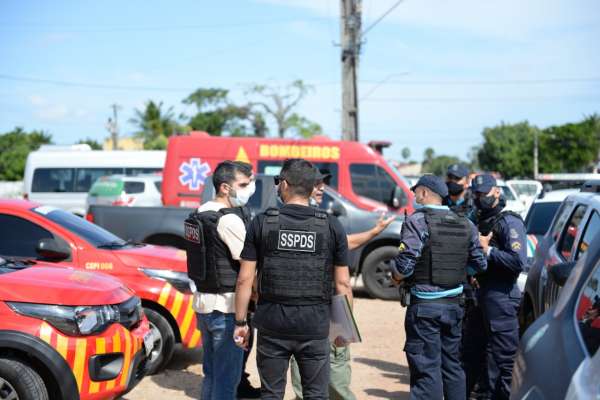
x,y
340,376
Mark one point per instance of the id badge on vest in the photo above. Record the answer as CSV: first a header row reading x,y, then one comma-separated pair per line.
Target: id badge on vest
x,y
289,240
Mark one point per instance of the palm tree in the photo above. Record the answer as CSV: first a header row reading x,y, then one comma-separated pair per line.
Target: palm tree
x,y
153,123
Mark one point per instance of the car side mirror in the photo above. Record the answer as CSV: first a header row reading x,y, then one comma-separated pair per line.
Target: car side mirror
x,y
52,250
560,272
399,198
336,208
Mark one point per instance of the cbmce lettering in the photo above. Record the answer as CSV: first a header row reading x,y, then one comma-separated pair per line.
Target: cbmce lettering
x,y
192,232
297,240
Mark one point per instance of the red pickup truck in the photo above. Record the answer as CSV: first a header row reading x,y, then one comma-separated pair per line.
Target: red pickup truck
x,y
156,274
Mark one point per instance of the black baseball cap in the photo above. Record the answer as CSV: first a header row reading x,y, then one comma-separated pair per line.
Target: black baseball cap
x,y
434,183
458,171
483,183
322,176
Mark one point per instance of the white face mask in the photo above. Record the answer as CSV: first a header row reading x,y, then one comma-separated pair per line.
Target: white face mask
x,y
243,195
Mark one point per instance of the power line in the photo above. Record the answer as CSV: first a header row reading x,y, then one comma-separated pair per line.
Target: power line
x,y
378,20
92,85
116,29
494,82
478,99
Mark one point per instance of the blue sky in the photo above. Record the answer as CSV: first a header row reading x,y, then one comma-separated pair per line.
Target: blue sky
x,y
434,72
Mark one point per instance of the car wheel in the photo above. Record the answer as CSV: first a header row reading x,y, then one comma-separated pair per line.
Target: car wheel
x,y
164,341
19,382
376,273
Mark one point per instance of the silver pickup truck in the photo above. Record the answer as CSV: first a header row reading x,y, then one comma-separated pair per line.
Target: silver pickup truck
x,y
164,226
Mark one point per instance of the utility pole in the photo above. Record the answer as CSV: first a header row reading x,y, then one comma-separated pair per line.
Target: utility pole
x,y
350,43
113,127
536,170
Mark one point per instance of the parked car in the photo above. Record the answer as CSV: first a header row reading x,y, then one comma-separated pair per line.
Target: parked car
x,y
61,176
129,191
526,190
575,225
566,337
68,334
512,201
166,224
158,275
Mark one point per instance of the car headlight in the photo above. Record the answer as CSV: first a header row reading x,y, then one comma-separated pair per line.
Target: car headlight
x,y
179,280
73,321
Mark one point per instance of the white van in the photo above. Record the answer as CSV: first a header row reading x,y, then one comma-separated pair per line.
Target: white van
x,y
61,176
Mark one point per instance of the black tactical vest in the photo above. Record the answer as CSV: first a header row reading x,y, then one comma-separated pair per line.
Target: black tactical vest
x,y
209,260
296,262
444,257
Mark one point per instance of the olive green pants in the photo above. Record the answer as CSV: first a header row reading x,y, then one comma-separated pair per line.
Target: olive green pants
x,y
340,375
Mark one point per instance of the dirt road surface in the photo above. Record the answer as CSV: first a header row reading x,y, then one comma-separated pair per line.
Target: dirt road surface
x,y
379,367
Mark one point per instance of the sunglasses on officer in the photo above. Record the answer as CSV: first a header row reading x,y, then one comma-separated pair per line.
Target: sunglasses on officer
x,y
278,179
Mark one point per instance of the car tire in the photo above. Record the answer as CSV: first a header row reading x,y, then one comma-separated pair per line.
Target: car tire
x,y
164,344
19,381
376,273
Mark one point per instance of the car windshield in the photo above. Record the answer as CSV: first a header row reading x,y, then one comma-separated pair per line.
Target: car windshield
x,y
540,217
93,234
526,189
508,194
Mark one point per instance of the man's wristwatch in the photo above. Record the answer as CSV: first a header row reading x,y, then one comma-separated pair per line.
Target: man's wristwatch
x,y
242,322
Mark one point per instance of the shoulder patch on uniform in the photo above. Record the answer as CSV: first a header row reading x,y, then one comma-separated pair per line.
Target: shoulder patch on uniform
x,y
513,233
402,247
516,246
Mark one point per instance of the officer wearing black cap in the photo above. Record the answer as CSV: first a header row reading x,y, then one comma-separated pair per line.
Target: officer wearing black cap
x,y
503,238
299,252
438,250
459,198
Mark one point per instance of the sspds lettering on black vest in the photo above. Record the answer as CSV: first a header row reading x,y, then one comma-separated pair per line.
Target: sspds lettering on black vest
x,y
192,232
297,241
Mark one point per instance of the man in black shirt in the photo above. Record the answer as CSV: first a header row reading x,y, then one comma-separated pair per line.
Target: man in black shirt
x,y
299,252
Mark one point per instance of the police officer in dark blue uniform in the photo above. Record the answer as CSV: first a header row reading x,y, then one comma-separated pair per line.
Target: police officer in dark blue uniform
x,y
438,249
301,254
459,198
503,239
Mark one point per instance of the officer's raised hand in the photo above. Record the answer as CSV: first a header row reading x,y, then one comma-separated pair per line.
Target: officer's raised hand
x,y
383,223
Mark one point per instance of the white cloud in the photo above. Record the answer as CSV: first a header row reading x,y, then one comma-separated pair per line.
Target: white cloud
x,y
54,111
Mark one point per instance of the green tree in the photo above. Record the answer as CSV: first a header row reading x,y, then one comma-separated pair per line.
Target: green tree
x,y
14,148
439,165
428,155
154,125
508,149
94,144
570,147
302,127
405,153
280,103
217,115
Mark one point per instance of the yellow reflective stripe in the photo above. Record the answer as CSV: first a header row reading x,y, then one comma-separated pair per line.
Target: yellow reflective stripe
x,y
80,350
116,349
187,320
177,304
164,294
100,349
126,364
195,339
46,333
62,345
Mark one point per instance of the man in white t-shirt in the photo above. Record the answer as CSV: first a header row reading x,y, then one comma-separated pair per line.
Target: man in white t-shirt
x,y
215,237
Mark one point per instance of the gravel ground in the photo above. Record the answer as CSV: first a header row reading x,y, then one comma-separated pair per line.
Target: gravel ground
x,y
379,367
